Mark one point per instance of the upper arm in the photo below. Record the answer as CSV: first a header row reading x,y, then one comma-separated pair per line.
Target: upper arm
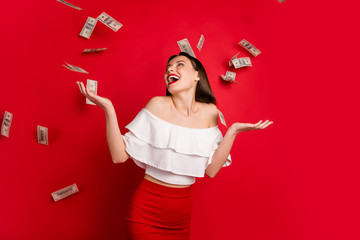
x,y
214,115
121,157
126,154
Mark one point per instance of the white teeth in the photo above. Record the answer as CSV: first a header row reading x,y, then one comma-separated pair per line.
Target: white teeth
x,y
173,78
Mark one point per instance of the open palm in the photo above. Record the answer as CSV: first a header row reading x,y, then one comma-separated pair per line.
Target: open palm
x,y
242,127
102,102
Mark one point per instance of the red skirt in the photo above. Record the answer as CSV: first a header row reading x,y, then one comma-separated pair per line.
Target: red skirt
x,y
159,212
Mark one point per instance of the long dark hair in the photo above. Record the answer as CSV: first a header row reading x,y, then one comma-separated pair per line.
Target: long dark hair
x,y
203,92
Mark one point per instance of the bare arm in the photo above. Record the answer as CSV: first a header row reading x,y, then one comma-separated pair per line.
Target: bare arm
x,y
114,138
113,135
222,152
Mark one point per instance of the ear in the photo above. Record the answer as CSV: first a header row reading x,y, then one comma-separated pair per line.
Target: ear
x,y
197,76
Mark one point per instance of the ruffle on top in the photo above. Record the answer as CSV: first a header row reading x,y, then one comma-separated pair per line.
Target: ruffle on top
x,y
169,147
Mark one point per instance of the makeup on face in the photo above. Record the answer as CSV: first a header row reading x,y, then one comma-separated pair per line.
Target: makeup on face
x,y
172,71
172,78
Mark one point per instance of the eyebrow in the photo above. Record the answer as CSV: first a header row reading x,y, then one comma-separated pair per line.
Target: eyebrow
x,y
176,62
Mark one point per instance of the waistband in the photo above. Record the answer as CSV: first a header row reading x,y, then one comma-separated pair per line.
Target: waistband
x,y
164,190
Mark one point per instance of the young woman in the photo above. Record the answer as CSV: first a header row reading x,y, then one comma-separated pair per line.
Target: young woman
x,y
175,138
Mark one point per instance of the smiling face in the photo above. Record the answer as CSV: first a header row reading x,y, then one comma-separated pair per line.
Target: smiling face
x,y
180,75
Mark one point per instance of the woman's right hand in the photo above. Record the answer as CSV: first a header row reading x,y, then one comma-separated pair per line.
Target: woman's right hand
x,y
102,102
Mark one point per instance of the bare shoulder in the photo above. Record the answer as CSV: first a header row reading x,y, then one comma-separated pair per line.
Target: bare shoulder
x,y
212,112
157,103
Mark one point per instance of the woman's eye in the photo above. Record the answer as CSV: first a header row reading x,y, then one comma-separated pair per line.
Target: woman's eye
x,y
180,64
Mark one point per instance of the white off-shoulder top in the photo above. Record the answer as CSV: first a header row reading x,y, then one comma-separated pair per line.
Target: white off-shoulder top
x,y
169,152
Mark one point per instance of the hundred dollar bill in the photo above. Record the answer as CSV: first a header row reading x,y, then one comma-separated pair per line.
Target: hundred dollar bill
x,y
94,50
109,21
222,119
234,57
242,62
185,47
5,127
92,84
65,192
229,76
248,46
201,42
69,4
42,135
74,68
88,27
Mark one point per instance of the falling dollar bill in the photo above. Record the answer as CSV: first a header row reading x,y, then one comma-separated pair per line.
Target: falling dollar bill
x,y
42,135
201,42
229,76
234,57
241,62
88,27
185,47
69,4
92,84
5,127
248,46
222,119
74,68
65,192
109,21
94,50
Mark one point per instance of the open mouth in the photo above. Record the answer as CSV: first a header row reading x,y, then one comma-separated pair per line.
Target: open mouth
x,y
173,78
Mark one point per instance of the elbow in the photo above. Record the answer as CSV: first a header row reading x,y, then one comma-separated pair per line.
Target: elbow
x,y
213,175
119,159
210,174
116,160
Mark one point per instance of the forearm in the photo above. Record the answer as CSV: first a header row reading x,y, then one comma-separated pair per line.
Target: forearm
x,y
114,138
222,152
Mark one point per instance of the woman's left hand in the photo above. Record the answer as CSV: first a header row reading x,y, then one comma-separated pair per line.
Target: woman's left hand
x,y
242,127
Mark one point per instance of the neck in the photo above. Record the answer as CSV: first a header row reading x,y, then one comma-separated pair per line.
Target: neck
x,y
184,103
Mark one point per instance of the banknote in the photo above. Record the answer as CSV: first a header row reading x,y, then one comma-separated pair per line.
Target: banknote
x,y
201,42
234,57
65,192
229,76
222,119
88,27
74,68
186,47
241,62
92,84
69,4
248,46
90,50
5,126
109,21
42,135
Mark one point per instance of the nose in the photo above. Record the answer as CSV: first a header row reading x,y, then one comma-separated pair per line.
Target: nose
x,y
170,69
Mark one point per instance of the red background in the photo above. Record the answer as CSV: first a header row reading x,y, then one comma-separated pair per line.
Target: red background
x,y
297,179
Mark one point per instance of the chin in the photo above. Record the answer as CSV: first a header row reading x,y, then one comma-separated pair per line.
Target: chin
x,y
172,92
